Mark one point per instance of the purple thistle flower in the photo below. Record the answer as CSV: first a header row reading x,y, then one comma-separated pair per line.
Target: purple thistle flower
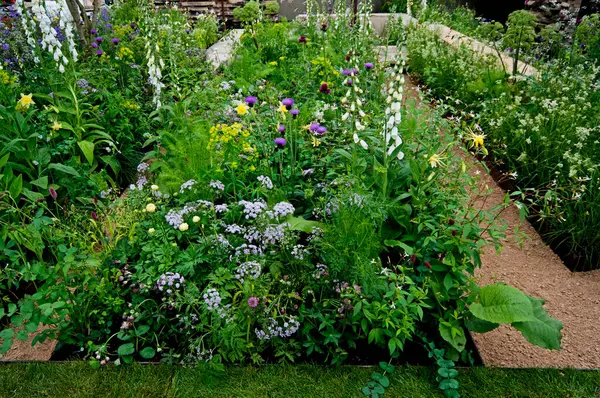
x,y
93,31
115,40
94,44
253,302
288,103
347,72
99,52
251,100
294,112
94,216
369,65
280,142
187,31
324,27
302,39
132,25
321,130
324,88
281,128
349,82
314,127
99,39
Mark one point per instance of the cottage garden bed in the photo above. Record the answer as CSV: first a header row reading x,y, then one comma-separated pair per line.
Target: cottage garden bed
x,y
292,208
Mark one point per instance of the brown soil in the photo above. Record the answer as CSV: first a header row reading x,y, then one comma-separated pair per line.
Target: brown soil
x,y
23,351
573,298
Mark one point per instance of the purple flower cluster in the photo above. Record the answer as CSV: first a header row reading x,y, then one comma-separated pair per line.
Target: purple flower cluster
x,y
212,299
283,209
171,281
273,329
248,269
253,209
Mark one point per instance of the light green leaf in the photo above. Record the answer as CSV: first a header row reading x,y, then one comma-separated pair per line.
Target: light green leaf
x,y
16,186
87,148
480,326
41,182
544,331
396,243
300,224
7,333
501,303
458,340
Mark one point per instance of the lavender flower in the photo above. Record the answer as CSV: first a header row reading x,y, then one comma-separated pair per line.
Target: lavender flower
x,y
253,302
187,185
321,130
221,208
273,329
369,65
307,172
115,40
212,299
234,229
281,128
169,280
294,113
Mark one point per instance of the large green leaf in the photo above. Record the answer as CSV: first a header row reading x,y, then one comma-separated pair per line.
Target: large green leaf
x,y
87,148
65,169
300,224
501,303
480,326
454,334
544,331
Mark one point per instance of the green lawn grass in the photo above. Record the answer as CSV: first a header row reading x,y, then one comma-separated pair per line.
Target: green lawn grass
x,y
77,379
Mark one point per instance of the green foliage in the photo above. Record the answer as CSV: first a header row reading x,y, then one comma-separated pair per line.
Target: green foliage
x,y
520,34
248,14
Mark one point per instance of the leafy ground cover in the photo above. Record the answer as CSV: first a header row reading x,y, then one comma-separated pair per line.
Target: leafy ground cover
x,y
293,207
77,379
541,130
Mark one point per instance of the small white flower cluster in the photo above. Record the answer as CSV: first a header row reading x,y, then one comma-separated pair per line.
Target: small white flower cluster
x,y
352,102
154,72
221,208
253,209
43,14
321,270
187,185
265,182
249,268
234,229
394,111
283,209
216,184
212,299
169,281
299,251
273,329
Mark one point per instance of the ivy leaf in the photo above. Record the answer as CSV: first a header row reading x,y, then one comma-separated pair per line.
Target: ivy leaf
x,y
126,349
544,331
501,303
147,353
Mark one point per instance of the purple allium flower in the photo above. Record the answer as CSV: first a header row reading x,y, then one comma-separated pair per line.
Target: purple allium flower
x,y
94,44
281,128
132,25
369,65
280,142
99,39
187,31
99,52
347,72
253,302
349,82
93,31
302,39
321,129
313,127
115,40
324,88
251,100
294,112
53,193
288,103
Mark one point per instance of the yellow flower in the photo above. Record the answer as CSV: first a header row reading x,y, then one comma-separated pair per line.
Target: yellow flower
x,y
315,142
196,219
273,63
184,227
151,230
154,187
56,125
241,109
25,101
435,160
150,207
282,108
477,139
281,58
251,168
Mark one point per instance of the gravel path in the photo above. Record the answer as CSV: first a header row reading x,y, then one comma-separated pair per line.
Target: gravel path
x,y
573,298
